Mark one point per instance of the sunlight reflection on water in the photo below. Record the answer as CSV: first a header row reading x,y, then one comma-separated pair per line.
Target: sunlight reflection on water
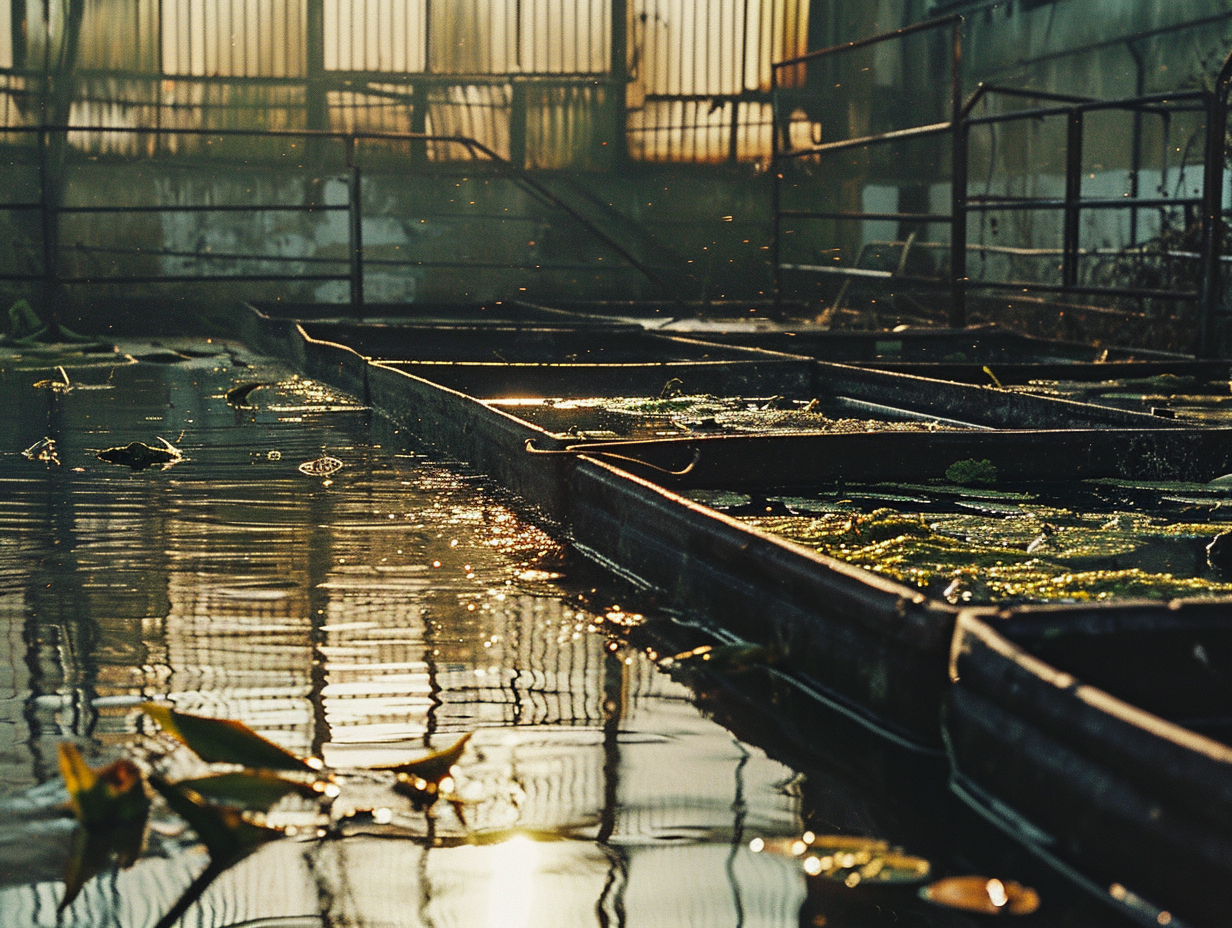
x,y
360,620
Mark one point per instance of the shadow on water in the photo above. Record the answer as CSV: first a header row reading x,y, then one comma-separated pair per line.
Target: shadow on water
x,y
371,614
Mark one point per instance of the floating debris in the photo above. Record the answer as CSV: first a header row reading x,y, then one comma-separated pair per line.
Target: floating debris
x,y
320,467
56,386
44,450
238,395
848,859
982,895
138,455
725,656
1219,552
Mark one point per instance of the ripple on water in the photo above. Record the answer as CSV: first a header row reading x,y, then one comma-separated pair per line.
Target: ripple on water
x,y
363,621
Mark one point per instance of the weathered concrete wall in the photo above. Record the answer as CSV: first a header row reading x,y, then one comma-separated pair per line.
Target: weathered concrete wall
x,y
429,235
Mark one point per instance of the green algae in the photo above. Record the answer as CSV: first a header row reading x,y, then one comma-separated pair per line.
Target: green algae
x,y
629,417
1023,553
981,473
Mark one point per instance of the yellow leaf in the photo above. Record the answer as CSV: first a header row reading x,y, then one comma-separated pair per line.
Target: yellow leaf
x,y
103,798
982,895
434,767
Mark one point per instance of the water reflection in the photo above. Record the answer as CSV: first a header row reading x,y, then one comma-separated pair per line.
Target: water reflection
x,y
361,618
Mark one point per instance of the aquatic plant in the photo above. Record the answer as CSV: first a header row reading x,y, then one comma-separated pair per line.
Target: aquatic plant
x,y
982,473
226,809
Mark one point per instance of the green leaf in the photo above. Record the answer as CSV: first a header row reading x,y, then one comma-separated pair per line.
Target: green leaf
x,y
226,834
100,799
224,741
256,790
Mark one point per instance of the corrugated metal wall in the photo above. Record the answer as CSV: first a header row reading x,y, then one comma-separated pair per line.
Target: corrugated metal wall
x,y
540,81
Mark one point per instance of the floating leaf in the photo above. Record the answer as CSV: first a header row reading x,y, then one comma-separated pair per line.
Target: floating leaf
x,y
848,859
226,834
138,455
435,766
44,451
321,467
96,850
254,790
224,740
982,895
726,656
104,798
238,395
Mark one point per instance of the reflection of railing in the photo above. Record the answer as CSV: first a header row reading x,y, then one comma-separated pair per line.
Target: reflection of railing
x,y
49,207
1212,103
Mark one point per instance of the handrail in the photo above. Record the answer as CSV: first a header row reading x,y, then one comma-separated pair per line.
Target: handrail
x,y
952,19
1073,107
954,23
349,140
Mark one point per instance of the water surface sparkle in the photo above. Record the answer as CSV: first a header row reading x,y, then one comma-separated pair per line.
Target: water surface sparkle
x,y
360,617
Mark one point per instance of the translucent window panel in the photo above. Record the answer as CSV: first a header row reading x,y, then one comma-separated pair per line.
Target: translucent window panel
x,y
238,38
376,35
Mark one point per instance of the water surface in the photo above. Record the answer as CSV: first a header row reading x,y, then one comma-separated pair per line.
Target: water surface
x,y
363,617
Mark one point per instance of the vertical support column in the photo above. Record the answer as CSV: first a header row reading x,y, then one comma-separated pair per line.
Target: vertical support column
x,y
315,101
1073,196
49,197
356,227
958,184
1210,335
776,193
517,124
619,69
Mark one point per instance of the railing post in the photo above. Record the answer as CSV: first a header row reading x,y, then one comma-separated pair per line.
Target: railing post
x,y
48,198
958,225
958,185
1073,194
776,193
355,215
1210,337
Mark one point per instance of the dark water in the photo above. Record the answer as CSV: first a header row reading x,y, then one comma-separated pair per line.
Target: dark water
x,y
362,618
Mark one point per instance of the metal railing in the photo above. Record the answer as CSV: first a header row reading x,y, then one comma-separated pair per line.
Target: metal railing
x,y
50,210
1212,103
783,151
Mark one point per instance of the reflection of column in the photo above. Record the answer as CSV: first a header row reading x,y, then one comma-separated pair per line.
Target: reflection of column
x,y
739,811
59,633
614,686
319,557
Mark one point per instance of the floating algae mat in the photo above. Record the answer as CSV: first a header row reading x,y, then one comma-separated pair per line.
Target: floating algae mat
x,y
1175,395
1097,540
684,414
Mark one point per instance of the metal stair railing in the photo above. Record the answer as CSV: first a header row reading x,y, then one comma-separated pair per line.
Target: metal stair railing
x,y
50,210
